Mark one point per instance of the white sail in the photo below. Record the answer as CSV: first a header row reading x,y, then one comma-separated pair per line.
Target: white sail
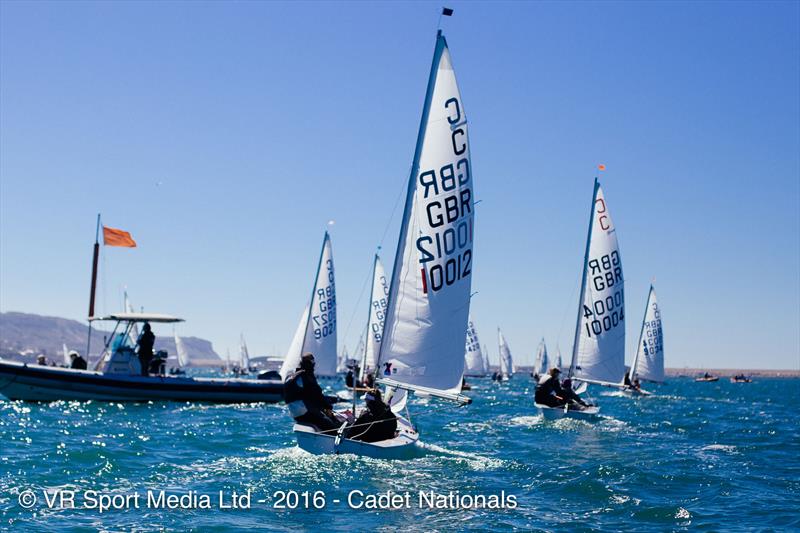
x,y
292,358
244,354
473,354
648,363
342,360
67,360
599,348
180,348
378,301
542,360
559,362
430,289
127,306
506,361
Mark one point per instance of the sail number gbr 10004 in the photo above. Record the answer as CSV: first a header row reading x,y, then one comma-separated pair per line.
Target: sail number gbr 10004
x,y
446,201
605,314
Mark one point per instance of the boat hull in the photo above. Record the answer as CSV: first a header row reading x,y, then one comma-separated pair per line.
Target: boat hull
x,y
402,446
706,380
19,381
556,413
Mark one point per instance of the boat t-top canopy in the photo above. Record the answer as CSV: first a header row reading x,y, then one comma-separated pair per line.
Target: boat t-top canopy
x,y
138,317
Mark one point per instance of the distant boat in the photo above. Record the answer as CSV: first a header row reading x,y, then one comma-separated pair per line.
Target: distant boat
x,y
376,319
741,378
422,348
648,361
598,350
121,378
542,364
475,362
316,332
707,378
506,361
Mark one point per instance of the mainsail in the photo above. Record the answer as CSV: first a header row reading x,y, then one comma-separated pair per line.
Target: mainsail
x,y
244,355
292,358
542,360
473,355
317,334
506,361
648,363
429,293
378,300
598,352
180,348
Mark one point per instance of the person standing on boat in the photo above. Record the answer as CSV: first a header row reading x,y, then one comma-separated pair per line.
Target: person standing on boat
x,y
376,423
304,397
76,361
146,341
549,391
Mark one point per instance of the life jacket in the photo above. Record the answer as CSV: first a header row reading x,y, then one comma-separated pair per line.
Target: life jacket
x,y
293,394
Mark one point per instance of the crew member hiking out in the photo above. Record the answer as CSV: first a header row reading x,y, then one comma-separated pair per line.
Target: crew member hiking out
x,y
304,397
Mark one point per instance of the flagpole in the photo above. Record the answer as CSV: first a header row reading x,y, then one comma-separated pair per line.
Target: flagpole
x,y
93,285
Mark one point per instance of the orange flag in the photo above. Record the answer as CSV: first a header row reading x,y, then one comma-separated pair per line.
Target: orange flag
x,y
601,167
117,237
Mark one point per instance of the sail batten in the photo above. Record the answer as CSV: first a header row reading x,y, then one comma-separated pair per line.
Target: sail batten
x,y
430,288
599,347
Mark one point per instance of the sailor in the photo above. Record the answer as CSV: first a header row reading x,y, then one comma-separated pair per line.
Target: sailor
x,y
304,397
627,380
41,360
76,361
376,423
145,342
570,395
549,391
350,378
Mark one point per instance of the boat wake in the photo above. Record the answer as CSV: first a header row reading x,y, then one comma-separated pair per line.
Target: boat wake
x,y
475,461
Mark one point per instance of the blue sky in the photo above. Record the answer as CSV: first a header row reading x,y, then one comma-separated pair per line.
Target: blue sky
x,y
225,136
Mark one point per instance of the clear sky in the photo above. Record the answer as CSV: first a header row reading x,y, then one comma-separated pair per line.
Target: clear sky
x,y
224,136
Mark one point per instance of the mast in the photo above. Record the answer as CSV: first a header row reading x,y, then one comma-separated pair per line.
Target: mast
x,y
582,296
394,286
95,255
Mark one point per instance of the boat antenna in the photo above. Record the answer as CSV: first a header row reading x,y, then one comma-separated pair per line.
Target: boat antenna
x,y
95,254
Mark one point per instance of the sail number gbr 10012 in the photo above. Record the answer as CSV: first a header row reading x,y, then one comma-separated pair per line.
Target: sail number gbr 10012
x,y
445,198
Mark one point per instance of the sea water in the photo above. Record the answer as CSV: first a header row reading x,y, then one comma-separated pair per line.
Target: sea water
x,y
694,456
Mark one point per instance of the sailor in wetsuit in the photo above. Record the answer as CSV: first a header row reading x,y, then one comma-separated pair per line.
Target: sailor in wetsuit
x,y
570,395
549,391
304,397
375,424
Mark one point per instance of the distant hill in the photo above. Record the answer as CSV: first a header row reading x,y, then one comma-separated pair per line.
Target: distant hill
x,y
23,336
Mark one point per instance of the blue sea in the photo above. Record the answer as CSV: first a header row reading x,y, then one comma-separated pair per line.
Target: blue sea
x,y
694,456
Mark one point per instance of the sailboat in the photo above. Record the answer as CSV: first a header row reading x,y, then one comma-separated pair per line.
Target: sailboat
x,y
474,358
559,361
648,361
316,332
486,363
598,351
376,319
67,359
422,348
244,356
506,361
542,364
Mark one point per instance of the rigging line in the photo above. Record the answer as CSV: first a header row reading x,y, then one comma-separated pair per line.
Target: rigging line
x,y
380,245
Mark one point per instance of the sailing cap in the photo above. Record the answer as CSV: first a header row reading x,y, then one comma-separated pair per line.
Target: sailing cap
x,y
73,353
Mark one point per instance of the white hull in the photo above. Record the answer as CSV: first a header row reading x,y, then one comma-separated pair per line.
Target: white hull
x,y
555,413
20,381
636,392
402,446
